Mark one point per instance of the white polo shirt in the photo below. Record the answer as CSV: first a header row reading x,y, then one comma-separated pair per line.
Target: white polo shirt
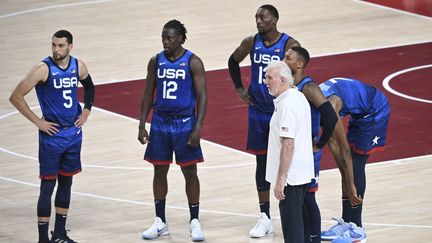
x,y
291,119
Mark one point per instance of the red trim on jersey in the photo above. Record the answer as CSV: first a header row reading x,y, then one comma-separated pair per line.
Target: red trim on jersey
x,y
313,189
257,152
158,162
167,162
48,177
192,162
64,173
373,150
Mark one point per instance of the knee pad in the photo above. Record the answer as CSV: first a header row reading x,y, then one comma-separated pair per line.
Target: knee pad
x,y
44,201
63,194
261,183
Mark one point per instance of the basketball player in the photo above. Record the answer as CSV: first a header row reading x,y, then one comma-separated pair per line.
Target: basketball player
x,y
369,113
322,111
60,136
267,45
178,77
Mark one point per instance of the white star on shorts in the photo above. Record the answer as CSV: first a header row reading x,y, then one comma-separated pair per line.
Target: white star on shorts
x,y
375,140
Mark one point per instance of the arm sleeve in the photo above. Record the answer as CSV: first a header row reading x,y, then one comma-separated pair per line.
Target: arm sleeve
x,y
234,69
328,119
89,92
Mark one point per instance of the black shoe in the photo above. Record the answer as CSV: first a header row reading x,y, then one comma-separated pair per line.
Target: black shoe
x,y
61,237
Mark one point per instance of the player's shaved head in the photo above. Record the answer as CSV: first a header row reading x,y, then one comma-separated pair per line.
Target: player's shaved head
x,y
272,10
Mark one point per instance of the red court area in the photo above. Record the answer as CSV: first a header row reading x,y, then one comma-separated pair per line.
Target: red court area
x,y
409,132
423,7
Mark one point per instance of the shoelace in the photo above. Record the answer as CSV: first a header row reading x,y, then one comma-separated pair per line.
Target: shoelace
x,y
339,228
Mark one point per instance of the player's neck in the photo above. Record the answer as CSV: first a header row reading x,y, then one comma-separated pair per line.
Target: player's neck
x,y
175,54
298,77
63,63
271,37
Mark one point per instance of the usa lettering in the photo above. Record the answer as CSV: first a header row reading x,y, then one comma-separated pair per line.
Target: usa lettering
x,y
171,73
65,83
264,58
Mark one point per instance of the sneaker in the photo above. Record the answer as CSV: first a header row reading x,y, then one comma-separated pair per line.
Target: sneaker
x,y
61,237
195,231
156,229
336,230
353,235
263,227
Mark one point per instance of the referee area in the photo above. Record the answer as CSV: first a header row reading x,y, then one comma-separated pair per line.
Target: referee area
x,y
112,198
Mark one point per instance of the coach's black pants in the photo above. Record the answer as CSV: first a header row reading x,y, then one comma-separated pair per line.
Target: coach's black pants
x,y
291,213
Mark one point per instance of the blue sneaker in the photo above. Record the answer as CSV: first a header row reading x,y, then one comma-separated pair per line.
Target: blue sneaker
x,y
335,231
353,235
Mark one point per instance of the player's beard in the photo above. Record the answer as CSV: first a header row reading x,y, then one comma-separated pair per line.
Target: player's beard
x,y
59,57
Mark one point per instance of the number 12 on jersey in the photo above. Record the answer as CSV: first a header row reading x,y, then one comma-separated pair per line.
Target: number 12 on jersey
x,y
169,87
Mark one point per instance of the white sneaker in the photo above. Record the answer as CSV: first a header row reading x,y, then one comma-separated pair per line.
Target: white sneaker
x,y
156,229
263,227
195,231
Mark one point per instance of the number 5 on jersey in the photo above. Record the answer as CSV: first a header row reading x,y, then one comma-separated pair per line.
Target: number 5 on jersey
x,y
68,98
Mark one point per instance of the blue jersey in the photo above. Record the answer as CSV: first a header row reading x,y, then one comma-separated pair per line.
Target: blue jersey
x,y
369,110
58,95
358,99
261,55
315,114
175,94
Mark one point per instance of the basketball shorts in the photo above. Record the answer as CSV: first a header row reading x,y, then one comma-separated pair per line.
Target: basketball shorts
x,y
258,131
313,186
170,134
60,153
367,134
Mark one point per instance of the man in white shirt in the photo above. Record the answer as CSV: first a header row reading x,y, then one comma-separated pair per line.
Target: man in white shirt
x,y
290,163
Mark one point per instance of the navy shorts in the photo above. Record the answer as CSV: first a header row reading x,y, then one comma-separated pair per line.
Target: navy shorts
x,y
60,153
258,130
367,134
170,134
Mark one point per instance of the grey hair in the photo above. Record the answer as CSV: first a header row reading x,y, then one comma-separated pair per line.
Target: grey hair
x,y
284,71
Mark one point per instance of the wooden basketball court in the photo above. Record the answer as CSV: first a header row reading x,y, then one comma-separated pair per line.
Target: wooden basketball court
x,y
112,200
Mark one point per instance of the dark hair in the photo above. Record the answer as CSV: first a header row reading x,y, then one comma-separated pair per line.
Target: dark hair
x,y
64,34
178,27
303,53
273,11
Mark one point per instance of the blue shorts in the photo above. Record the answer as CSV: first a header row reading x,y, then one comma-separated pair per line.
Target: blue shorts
x,y
258,130
367,134
60,153
170,134
313,186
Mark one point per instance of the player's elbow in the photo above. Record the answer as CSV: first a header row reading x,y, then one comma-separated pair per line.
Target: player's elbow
x,y
13,98
232,62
